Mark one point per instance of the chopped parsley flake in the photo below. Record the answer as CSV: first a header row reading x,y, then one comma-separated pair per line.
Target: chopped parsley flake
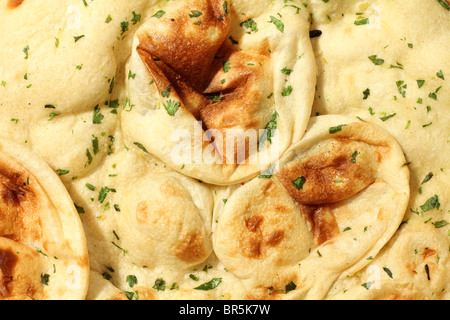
x,y
166,93
225,8
444,4
209,285
299,183
62,172
25,50
160,285
268,173
433,95
290,287
427,177
124,27
336,129
388,117
440,224
90,187
402,86
136,18
250,24
131,280
420,83
195,14
140,146
103,193
132,295
53,115
354,156
45,278
171,107
80,210
287,91
159,14
277,22
376,61
431,204
361,21
226,66
76,38
367,285
269,131
98,117
389,273
286,71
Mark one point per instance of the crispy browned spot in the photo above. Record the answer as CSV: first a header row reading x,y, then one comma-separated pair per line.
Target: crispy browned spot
x,y
381,153
19,218
187,48
20,268
274,238
253,245
322,221
191,248
12,4
141,212
321,172
145,293
428,253
241,97
329,177
252,248
269,189
170,189
190,60
253,223
8,261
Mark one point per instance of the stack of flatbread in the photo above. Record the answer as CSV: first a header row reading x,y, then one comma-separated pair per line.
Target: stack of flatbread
x,y
219,150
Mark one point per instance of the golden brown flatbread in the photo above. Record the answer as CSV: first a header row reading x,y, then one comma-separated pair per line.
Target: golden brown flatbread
x,y
43,251
212,76
114,115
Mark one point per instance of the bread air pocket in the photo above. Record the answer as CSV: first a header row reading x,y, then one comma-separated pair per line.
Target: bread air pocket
x,y
323,212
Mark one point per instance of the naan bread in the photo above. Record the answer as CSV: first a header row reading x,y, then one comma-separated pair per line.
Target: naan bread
x,y
205,68
408,95
337,197
43,251
112,94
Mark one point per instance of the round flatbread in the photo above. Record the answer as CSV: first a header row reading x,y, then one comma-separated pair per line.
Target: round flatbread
x,y
334,201
398,78
42,244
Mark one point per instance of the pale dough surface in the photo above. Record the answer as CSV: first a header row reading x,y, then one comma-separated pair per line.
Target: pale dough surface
x,y
76,94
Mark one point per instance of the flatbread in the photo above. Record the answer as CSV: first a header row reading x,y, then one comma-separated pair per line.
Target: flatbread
x,y
347,198
219,78
334,201
42,245
408,95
